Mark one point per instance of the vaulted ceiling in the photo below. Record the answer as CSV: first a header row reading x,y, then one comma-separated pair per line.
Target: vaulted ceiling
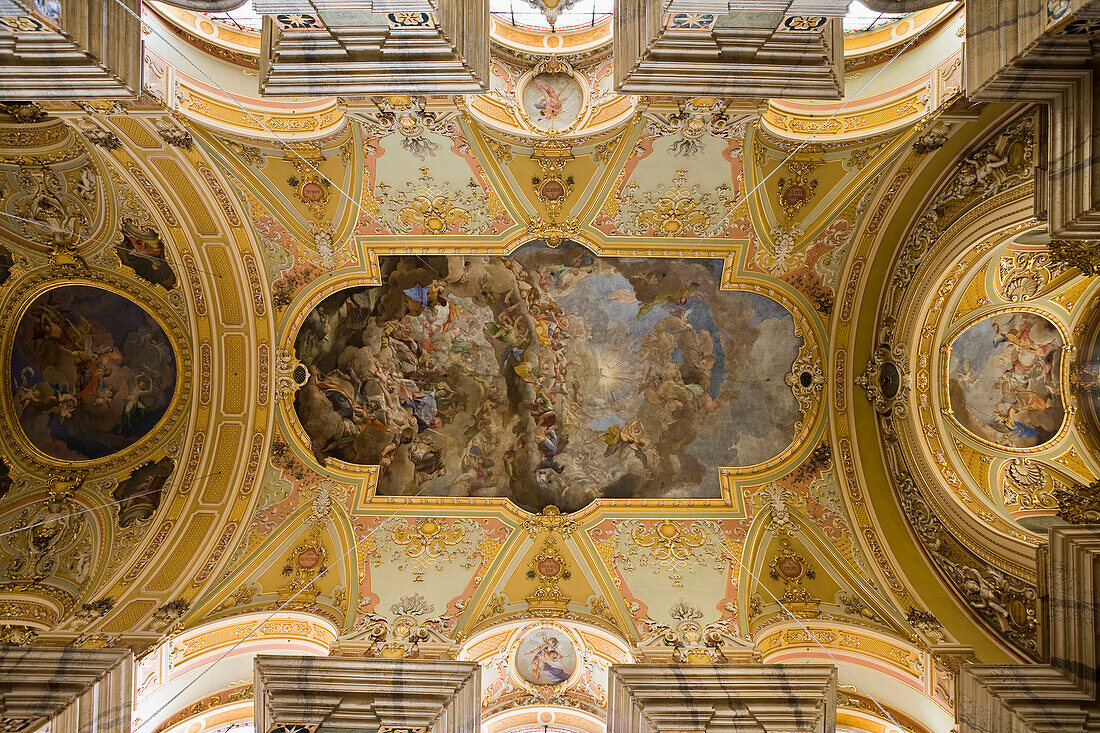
x,y
693,378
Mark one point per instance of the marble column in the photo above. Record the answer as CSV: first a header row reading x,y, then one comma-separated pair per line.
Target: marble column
x,y
365,694
77,690
71,50
1061,695
722,698
742,48
359,48
1041,51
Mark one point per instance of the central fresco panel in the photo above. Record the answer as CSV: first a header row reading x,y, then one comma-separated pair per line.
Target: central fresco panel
x,y
550,377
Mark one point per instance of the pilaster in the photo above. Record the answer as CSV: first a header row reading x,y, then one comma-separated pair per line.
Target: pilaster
x,y
364,694
70,50
1042,52
723,698
366,47
78,690
774,48
1060,695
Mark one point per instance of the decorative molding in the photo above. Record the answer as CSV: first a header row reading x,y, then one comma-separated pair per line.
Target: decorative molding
x,y
74,688
356,694
665,698
1079,504
1083,255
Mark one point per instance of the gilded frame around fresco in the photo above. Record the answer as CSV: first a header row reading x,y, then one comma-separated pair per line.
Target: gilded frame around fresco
x,y
809,359
19,299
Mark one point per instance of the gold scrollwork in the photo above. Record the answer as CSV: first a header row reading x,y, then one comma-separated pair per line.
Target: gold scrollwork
x,y
794,570
671,545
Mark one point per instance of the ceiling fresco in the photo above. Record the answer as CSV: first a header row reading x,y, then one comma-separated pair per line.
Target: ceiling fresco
x,y
1004,379
549,379
91,372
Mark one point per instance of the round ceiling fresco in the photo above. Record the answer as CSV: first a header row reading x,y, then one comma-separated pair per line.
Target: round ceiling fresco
x,y
545,656
552,376
92,372
1004,379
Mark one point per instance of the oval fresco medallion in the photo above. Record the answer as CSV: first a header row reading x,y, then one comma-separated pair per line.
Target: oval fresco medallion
x,y
545,656
553,100
92,372
1004,383
550,377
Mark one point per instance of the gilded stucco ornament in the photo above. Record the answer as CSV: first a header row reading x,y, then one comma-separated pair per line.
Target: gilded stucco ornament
x,y
424,206
1083,255
996,173
886,381
1023,275
925,623
548,568
793,570
304,565
781,254
552,520
290,375
410,118
413,628
796,189
1006,603
54,209
23,112
1080,503
777,500
933,138
806,380
1001,163
674,548
169,614
42,533
552,188
672,545
431,542
693,120
675,209
1027,485
692,640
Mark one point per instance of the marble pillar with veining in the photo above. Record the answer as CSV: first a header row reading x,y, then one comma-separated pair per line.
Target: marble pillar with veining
x,y
326,694
1061,695
76,690
722,698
